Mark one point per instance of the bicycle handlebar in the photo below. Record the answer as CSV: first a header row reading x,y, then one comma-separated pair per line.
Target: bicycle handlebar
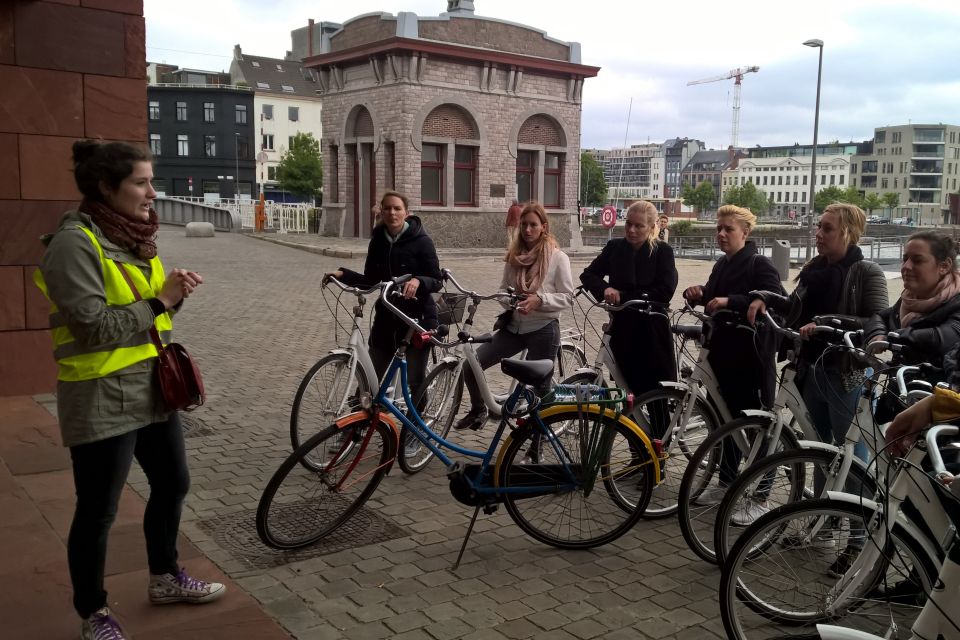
x,y
499,295
329,279
388,286
643,306
933,450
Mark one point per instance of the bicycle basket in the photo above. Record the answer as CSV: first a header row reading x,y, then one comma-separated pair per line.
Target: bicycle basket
x,y
450,307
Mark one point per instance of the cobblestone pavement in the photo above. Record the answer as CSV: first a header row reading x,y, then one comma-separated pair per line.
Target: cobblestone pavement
x,y
255,326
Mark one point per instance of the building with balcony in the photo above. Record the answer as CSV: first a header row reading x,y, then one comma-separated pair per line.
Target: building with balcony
x,y
285,103
918,162
202,138
677,153
461,113
634,172
709,166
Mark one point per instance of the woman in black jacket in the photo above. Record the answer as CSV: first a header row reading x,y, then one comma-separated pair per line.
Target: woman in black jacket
x,y
927,315
637,266
399,246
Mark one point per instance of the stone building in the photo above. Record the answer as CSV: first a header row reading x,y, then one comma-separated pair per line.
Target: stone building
x,y
459,112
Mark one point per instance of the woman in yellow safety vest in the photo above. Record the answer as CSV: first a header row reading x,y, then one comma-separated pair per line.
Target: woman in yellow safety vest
x,y
108,402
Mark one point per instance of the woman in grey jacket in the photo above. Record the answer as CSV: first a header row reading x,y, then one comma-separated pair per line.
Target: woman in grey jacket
x,y
535,266
108,401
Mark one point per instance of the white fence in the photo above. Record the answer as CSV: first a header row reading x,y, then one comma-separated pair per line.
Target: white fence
x,y
282,217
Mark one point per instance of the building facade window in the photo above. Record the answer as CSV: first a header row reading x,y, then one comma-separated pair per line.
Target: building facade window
x,y
431,175
526,170
243,147
268,112
161,186
334,194
267,141
240,112
272,172
552,180
210,146
209,112
181,111
183,145
293,114
464,176
154,111
155,144
210,186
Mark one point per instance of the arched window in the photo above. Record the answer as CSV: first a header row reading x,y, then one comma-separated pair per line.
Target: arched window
x,y
540,161
450,145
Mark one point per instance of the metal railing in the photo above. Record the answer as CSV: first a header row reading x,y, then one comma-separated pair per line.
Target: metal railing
x,y
282,217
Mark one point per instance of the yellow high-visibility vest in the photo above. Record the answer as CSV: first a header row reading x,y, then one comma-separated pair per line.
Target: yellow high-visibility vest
x,y
85,362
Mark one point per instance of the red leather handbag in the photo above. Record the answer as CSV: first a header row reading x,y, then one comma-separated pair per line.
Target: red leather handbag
x,y
177,374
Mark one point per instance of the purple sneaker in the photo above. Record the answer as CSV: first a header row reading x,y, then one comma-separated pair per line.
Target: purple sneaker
x,y
168,588
101,626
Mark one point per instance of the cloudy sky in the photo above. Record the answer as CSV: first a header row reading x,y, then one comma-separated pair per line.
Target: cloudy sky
x,y
885,62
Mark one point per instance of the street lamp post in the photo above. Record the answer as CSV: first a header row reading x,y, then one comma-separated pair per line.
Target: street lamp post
x,y
813,160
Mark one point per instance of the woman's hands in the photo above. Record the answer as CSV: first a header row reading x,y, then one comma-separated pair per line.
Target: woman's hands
x,y
756,308
903,431
716,304
807,330
338,274
611,295
179,284
410,288
693,294
530,303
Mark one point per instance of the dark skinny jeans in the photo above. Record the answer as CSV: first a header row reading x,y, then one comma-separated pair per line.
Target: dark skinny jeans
x,y
99,472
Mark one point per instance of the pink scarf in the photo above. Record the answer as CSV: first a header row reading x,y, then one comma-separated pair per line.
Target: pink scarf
x,y
912,309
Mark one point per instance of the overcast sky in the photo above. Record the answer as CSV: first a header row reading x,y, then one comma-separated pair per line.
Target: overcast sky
x,y
885,63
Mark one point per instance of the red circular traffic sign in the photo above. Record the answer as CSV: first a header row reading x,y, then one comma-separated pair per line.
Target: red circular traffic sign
x,y
608,217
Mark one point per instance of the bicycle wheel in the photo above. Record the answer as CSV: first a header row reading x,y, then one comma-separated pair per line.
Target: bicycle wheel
x,y
327,392
660,414
781,572
438,400
570,357
614,480
783,478
713,467
300,506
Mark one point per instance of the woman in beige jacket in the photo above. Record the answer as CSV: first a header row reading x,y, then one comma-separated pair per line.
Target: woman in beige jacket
x,y
536,267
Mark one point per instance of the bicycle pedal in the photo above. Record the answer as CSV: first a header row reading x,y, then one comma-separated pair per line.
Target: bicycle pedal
x,y
455,470
490,509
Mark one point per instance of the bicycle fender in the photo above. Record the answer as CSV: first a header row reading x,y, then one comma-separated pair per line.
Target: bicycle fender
x,y
358,416
759,413
820,446
593,409
669,384
832,632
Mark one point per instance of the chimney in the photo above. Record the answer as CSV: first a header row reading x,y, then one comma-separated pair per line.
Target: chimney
x,y
460,6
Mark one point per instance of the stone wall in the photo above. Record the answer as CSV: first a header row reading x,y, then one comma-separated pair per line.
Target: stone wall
x,y
492,34
363,30
67,72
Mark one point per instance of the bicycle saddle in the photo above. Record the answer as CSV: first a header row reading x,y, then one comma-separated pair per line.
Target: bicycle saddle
x,y
529,372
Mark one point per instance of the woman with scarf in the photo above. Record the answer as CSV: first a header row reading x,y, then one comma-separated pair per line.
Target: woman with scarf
x,y
927,315
630,268
109,404
536,267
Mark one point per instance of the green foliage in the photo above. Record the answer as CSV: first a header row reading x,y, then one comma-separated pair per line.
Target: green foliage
x,y
681,228
593,186
891,200
871,202
747,196
699,197
826,197
300,170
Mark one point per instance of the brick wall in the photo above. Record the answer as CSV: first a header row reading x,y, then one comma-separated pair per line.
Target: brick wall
x,y
68,70
490,34
447,121
540,130
364,124
366,29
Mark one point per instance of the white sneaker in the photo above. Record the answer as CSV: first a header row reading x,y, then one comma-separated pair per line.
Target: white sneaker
x,y
101,626
748,511
711,495
167,588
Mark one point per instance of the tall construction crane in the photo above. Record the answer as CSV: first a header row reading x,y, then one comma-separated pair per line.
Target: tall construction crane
x,y
737,74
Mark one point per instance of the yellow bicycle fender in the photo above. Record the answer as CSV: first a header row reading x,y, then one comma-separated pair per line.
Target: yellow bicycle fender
x,y
591,409
357,416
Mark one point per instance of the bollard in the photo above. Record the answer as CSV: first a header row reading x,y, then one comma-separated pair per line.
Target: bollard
x,y
200,230
781,258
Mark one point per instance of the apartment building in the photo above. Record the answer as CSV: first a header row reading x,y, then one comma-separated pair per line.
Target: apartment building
x,y
920,163
633,173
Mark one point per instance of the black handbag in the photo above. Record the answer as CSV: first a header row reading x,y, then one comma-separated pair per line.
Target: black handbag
x,y
503,320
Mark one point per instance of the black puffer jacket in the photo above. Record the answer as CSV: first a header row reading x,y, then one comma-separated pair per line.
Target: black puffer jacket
x,y
928,339
413,252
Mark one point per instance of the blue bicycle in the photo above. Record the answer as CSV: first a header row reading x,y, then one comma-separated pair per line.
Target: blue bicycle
x,y
572,470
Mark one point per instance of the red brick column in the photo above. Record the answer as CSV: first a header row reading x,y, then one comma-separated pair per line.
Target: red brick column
x,y
68,69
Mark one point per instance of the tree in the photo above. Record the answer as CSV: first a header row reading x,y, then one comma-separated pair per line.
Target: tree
x,y
699,197
747,196
300,170
826,197
871,202
593,186
891,200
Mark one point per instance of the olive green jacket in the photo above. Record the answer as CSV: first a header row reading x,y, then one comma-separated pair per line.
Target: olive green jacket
x,y
91,410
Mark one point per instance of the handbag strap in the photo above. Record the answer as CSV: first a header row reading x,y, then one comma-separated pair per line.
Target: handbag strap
x,y
136,294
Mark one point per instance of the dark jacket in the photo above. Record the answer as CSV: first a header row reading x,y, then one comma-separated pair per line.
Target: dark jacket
x,y
744,362
641,344
413,253
927,339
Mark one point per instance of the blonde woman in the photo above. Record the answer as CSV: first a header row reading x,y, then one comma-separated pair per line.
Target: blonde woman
x,y
535,266
634,267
